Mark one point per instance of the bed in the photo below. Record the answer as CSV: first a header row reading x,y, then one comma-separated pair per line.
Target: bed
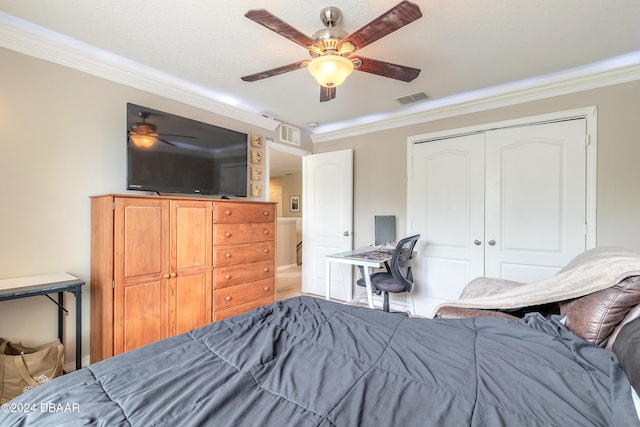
x,y
306,361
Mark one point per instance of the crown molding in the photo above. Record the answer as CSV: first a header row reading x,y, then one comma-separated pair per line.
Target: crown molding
x,y
33,40
609,72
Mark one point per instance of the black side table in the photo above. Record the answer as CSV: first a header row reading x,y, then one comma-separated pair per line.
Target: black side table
x,y
22,287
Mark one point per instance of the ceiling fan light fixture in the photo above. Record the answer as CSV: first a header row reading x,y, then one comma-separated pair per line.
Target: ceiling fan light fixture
x,y
330,70
142,140
143,134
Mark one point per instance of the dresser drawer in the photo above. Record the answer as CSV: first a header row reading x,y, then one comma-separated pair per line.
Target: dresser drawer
x,y
242,253
241,308
234,295
241,273
241,233
235,212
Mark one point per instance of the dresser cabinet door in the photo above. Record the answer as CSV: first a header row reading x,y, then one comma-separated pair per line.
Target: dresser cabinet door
x,y
190,266
141,291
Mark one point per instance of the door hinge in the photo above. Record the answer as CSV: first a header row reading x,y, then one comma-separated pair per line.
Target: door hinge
x,y
113,284
113,206
587,140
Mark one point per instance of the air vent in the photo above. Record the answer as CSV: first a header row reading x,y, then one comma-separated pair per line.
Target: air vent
x,y
410,99
289,134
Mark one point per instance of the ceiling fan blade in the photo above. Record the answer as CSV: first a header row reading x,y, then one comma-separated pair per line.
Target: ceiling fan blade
x,y
327,93
179,136
275,71
387,69
167,142
272,22
395,18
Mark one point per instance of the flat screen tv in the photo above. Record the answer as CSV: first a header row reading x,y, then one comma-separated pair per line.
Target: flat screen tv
x,y
172,154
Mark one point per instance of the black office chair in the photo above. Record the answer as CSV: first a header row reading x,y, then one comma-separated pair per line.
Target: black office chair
x,y
398,277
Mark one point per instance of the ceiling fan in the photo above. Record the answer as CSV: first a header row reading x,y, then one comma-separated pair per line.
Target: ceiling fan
x,y
331,48
145,134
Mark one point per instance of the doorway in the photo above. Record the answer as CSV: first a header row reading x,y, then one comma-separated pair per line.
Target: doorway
x,y
285,188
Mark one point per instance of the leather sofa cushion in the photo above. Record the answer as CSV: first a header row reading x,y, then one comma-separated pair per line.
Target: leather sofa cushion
x,y
627,350
595,316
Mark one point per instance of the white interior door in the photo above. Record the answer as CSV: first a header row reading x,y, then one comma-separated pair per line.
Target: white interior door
x,y
327,212
446,207
535,193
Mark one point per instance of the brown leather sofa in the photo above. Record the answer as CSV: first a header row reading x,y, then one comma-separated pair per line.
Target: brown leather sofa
x,y
597,317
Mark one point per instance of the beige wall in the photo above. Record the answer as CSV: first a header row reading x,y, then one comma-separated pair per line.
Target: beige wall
x,y
62,139
291,186
380,161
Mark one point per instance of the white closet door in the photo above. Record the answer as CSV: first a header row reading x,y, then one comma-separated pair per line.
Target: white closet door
x,y
534,199
446,206
506,203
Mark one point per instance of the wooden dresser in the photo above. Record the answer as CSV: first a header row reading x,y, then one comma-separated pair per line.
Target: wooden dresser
x,y
161,266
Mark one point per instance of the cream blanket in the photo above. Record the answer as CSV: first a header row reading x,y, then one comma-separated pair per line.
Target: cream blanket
x,y
591,271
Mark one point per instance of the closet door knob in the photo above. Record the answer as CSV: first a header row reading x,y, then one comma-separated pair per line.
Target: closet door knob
x,y
492,242
477,242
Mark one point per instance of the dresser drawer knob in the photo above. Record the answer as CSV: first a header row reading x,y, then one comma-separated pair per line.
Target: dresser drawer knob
x,y
227,298
266,269
228,276
227,234
266,213
227,213
265,232
266,251
266,289
227,255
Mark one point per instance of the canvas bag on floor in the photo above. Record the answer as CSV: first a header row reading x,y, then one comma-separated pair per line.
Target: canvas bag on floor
x,y
22,368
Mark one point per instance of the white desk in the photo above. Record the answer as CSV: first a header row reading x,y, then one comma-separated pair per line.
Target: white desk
x,y
367,258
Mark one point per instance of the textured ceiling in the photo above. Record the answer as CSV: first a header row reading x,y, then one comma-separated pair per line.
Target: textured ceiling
x,y
460,45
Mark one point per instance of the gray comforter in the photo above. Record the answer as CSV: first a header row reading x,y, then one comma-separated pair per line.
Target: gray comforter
x,y
310,362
